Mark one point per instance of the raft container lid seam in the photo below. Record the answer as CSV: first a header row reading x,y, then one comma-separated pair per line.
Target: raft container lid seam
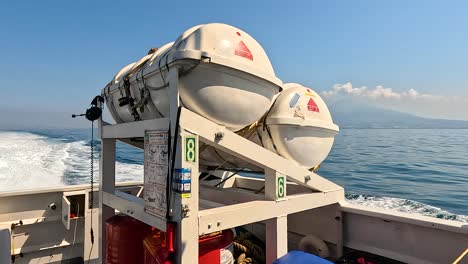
x,y
302,123
199,55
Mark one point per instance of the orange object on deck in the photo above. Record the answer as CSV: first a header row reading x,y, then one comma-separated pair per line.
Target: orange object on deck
x,y
215,248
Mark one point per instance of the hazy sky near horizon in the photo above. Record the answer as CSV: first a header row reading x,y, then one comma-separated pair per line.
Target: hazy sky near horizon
x,y
409,56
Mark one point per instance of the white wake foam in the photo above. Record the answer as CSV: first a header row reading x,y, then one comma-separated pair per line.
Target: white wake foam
x,y
78,165
405,206
30,161
27,161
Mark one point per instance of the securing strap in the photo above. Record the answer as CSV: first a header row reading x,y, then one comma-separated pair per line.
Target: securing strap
x,y
128,99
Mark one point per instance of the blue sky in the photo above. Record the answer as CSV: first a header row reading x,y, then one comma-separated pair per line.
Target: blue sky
x,y
56,55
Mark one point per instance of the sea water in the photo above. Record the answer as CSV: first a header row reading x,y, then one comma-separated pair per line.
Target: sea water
x,y
423,171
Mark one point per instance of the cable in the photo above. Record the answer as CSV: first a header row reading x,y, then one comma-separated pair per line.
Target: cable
x,y
91,197
227,178
93,113
172,153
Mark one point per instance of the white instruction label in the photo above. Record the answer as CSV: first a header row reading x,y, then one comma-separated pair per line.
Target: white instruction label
x,y
155,173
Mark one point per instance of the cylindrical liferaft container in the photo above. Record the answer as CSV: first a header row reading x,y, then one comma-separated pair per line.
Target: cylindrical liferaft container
x,y
224,75
298,127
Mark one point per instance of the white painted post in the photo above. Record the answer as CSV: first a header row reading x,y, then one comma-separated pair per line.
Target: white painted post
x,y
185,207
276,238
106,184
276,235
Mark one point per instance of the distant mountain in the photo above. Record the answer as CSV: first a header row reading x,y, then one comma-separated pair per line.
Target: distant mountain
x,y
348,115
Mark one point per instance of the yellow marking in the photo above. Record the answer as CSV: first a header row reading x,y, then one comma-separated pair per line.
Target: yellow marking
x,y
310,94
461,256
186,195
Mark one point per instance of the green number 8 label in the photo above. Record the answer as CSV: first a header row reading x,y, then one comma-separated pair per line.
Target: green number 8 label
x,y
190,149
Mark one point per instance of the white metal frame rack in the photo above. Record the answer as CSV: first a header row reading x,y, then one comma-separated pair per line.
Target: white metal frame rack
x,y
239,207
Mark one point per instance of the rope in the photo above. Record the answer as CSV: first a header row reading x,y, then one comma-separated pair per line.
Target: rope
x,y
315,168
246,251
247,131
242,259
265,126
461,256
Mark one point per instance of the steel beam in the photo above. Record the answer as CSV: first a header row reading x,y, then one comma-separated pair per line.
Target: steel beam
x,y
132,206
217,219
133,129
242,148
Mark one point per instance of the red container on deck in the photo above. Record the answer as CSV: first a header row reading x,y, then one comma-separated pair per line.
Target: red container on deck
x,y
214,248
123,240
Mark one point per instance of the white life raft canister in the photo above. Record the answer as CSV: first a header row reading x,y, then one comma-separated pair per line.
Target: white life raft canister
x,y
298,127
224,75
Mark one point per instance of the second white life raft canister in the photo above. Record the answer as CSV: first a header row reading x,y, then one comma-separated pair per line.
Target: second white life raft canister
x,y
224,75
298,127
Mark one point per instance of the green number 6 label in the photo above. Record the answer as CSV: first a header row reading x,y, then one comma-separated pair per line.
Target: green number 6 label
x,y
190,149
280,186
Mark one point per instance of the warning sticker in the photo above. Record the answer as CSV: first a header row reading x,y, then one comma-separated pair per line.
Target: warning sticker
x,y
226,255
182,182
294,100
312,106
309,93
243,51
